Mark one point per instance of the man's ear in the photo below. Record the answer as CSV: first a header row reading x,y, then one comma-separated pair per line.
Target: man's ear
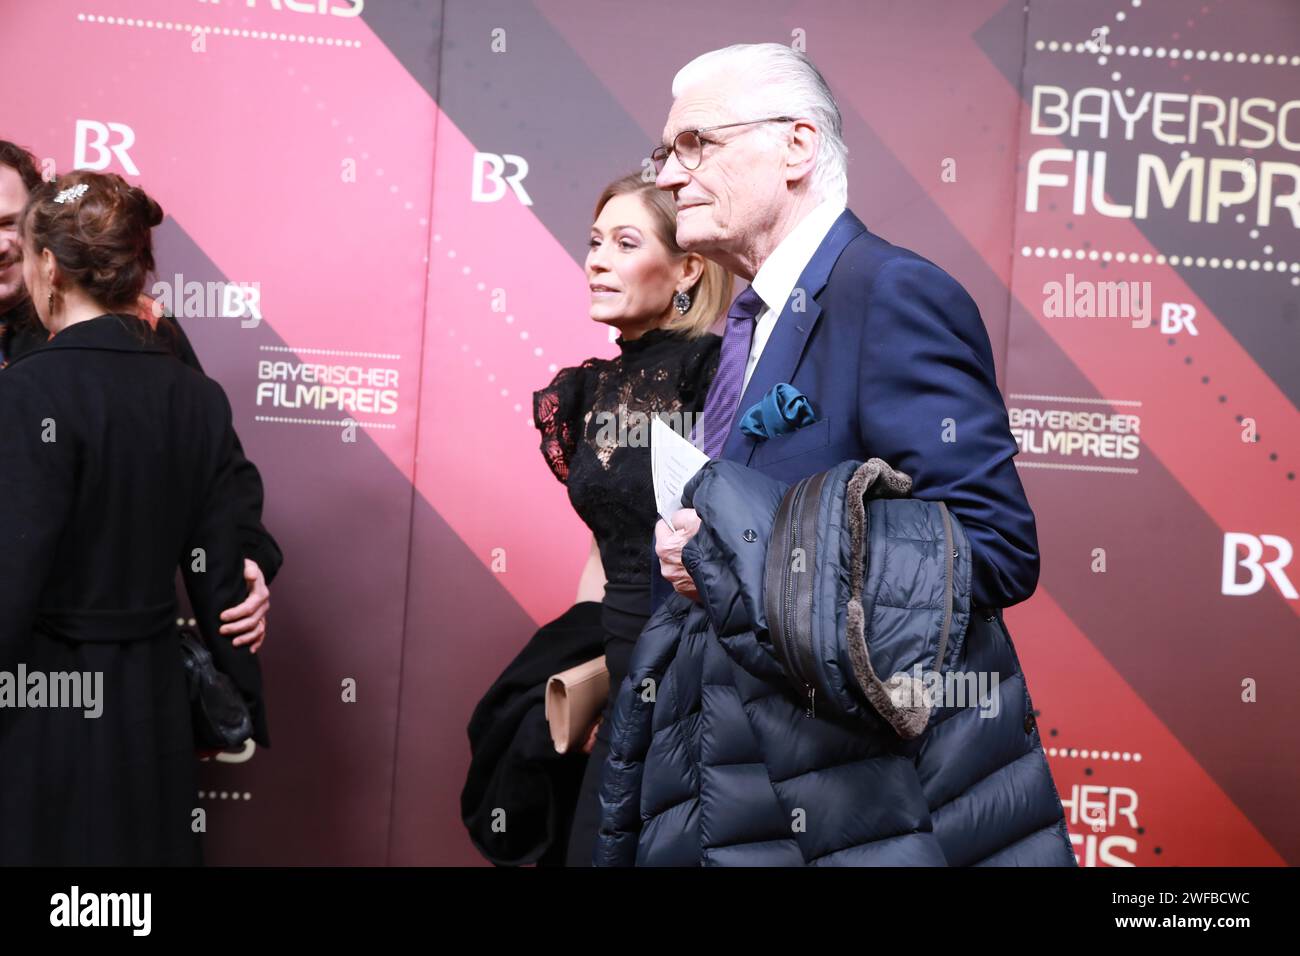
x,y
801,150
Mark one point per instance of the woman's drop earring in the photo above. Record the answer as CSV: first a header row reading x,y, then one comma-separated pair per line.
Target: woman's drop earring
x,y
682,302
49,303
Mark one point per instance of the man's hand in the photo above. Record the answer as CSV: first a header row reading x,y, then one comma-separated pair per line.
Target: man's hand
x,y
668,546
249,619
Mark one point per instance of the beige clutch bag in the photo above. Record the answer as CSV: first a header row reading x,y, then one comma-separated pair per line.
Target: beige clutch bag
x,y
574,699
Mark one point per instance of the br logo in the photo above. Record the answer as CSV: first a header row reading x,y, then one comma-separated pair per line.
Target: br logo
x,y
105,141
1232,540
1176,316
488,168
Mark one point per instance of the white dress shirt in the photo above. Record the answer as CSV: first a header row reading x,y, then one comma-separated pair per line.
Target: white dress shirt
x,y
780,271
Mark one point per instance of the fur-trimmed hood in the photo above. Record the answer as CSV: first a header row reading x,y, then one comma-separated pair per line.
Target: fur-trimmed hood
x,y
779,721
733,561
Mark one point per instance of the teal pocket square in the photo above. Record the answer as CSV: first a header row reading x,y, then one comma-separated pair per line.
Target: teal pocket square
x,y
783,409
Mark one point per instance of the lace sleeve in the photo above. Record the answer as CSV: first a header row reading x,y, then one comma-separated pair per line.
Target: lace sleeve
x,y
557,413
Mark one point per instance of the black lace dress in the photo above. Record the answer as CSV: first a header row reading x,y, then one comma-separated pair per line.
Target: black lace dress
x,y
594,420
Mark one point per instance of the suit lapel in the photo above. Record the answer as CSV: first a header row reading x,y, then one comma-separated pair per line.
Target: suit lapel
x,y
789,338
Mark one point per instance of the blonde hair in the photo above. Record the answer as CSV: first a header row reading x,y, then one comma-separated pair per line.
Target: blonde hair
x,y
711,294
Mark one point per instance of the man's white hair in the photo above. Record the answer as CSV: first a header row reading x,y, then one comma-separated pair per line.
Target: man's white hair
x,y
783,82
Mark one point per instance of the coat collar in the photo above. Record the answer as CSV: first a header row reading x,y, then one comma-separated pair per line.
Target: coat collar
x,y
785,348
112,332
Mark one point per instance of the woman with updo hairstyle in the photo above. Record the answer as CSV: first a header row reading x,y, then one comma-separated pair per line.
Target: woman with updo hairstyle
x,y
97,231
21,332
115,470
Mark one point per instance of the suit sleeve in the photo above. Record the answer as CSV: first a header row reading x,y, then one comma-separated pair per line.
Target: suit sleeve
x,y
218,583
38,464
930,406
246,486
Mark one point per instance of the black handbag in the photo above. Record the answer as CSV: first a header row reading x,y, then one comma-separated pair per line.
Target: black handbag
x,y
218,711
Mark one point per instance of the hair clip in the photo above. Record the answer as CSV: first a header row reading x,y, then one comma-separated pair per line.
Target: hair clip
x,y
71,193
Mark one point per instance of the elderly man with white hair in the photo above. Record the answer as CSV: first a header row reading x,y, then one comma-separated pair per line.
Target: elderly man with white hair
x,y
843,348
889,349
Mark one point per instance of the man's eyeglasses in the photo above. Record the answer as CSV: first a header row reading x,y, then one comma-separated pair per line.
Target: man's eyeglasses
x,y
689,144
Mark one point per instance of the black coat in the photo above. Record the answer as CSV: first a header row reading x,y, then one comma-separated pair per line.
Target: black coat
x,y
21,332
116,467
519,794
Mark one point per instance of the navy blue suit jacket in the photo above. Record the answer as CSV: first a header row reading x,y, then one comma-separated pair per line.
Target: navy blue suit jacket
x,y
894,357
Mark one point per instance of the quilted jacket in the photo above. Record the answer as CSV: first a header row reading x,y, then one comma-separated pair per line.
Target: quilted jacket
x,y
833,699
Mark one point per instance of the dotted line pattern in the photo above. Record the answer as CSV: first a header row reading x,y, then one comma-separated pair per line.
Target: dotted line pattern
x,y
192,28
1102,47
409,206
1084,754
1105,469
1254,233
319,421
1131,402
343,352
1223,400
1161,53
465,271
224,795
538,351
1160,259
1187,360
327,41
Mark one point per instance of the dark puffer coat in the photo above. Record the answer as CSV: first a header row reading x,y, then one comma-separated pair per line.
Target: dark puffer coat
x,y
803,721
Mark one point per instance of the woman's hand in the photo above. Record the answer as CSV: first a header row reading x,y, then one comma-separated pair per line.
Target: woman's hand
x,y
591,735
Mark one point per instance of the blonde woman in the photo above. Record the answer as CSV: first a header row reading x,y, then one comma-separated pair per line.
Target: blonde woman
x,y
594,419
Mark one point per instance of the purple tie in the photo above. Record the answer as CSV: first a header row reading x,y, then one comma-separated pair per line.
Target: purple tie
x,y
724,394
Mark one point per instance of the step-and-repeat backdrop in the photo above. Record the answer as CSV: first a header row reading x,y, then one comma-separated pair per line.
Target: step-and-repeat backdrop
x,y
377,216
